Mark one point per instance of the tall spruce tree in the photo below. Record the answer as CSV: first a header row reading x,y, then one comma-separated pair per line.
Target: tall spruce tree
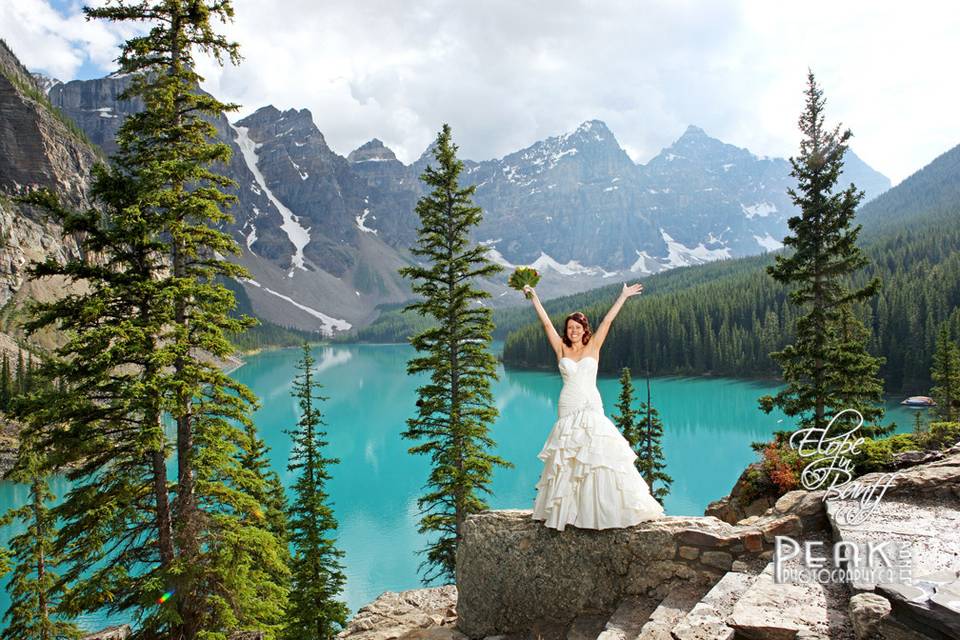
x,y
827,369
34,587
139,343
20,382
315,613
643,430
945,374
650,457
267,487
455,408
6,386
626,420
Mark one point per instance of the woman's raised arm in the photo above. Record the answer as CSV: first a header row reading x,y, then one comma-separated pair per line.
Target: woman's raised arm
x,y
552,336
604,327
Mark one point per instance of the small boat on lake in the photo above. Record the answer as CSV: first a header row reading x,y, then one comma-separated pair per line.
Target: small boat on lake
x,y
919,401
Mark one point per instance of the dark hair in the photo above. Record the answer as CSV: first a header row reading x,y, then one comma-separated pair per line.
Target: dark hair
x,y
582,319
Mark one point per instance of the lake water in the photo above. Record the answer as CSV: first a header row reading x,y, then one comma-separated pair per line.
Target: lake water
x,y
708,422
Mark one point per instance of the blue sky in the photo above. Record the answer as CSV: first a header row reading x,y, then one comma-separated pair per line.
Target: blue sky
x,y
505,74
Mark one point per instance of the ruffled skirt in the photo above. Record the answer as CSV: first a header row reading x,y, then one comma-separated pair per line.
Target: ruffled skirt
x,y
589,479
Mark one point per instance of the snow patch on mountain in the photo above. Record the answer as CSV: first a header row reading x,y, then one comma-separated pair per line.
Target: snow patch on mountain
x,y
571,267
303,174
495,255
644,264
768,242
681,255
759,210
361,219
328,323
298,235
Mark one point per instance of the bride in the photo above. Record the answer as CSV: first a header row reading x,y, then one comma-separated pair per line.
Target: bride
x,y
589,479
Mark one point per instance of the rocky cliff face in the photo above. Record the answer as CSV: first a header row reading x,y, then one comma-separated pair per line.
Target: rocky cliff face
x,y
38,148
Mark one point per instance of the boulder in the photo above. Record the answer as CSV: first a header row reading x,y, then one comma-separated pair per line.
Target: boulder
x,y
417,613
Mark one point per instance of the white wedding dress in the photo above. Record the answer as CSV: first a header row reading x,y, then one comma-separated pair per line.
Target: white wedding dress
x,y
589,479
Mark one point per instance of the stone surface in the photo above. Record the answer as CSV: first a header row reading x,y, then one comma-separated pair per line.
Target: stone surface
x,y
718,559
671,610
930,603
911,458
513,571
688,553
120,632
707,619
867,610
629,618
418,613
928,526
806,609
587,627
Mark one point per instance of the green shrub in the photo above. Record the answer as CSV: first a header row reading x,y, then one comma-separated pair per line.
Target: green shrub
x,y
941,435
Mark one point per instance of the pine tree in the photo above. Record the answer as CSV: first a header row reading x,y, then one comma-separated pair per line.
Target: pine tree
x,y
168,147
945,374
5,383
626,420
318,576
21,378
821,366
918,427
267,489
854,375
139,349
455,408
650,457
35,589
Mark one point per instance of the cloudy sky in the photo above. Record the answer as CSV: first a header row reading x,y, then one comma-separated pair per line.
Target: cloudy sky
x,y
505,73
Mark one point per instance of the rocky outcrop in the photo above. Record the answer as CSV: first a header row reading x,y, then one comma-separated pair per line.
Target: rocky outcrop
x,y
120,632
744,500
418,613
690,578
583,571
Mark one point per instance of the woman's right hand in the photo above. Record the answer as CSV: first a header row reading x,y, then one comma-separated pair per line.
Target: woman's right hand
x,y
529,291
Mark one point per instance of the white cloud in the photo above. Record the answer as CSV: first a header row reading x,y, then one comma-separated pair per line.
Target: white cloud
x,y
505,73
45,40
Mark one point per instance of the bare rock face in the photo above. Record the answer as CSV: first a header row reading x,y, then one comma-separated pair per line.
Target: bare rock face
x,y
121,632
37,148
580,572
418,613
27,238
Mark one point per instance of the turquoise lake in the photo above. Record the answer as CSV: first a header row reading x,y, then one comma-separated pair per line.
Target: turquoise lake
x,y
709,424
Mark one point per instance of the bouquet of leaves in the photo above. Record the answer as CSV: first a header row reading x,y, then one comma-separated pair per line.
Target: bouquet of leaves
x,y
522,277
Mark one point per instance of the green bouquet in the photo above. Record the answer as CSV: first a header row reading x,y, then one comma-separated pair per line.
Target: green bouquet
x,y
522,277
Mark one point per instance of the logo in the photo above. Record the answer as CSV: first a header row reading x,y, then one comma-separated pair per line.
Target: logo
x,y
831,469
865,562
832,465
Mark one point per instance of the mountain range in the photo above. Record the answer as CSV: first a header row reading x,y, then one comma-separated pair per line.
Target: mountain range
x,y
323,235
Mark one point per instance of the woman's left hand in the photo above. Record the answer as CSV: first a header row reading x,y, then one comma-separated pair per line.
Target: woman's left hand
x,y
632,290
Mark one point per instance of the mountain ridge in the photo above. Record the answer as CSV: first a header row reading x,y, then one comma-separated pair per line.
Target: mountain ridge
x,y
324,234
